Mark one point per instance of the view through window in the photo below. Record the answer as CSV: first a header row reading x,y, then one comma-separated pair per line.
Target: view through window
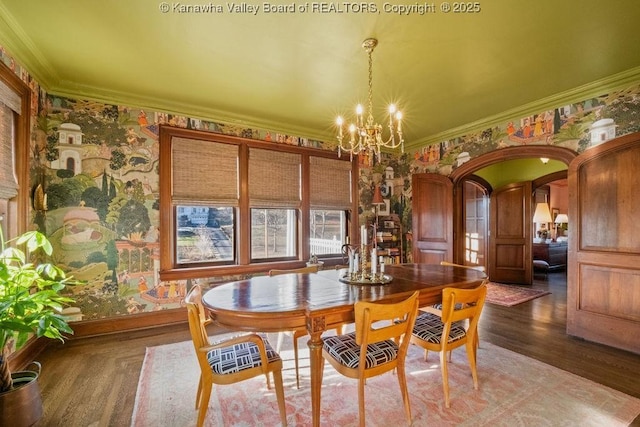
x,y
205,234
231,202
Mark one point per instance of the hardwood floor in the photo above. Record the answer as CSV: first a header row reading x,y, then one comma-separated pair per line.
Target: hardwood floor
x,y
93,381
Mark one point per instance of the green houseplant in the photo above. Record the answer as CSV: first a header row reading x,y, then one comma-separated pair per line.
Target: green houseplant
x,y
30,304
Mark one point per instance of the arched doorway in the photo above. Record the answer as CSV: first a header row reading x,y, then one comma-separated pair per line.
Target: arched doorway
x,y
477,220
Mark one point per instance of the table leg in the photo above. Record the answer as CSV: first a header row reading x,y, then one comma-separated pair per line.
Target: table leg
x,y
316,368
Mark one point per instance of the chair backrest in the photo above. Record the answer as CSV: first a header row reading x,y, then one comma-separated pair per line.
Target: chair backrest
x,y
472,267
197,321
377,322
310,269
461,304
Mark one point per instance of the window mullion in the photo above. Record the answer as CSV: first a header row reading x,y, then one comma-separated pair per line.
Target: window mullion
x,y
244,209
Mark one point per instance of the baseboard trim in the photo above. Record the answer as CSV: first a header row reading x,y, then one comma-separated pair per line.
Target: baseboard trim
x,y
132,322
20,359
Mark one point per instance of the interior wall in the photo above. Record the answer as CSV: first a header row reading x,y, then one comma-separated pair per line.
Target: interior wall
x,y
559,196
117,160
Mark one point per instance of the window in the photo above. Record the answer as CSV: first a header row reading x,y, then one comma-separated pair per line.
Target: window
x,y
328,220
8,184
273,234
327,231
14,153
275,195
232,205
205,235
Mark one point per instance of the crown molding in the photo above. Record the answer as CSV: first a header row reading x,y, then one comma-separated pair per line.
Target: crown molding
x,y
20,46
76,91
596,88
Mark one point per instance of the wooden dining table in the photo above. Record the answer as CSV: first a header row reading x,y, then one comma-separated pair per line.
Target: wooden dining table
x,y
316,302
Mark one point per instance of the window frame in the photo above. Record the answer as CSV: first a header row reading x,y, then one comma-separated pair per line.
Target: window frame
x,y
296,221
15,211
182,264
171,270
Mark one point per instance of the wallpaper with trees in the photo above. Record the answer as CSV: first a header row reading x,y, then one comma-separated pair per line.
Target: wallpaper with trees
x,y
94,182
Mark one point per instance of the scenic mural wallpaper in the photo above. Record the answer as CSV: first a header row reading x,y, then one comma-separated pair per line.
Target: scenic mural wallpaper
x,y
94,182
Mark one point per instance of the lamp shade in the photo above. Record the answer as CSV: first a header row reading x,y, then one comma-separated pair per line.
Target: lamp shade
x,y
542,214
377,196
562,219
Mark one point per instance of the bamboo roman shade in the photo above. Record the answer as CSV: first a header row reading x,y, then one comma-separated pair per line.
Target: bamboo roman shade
x,y
204,172
330,183
274,178
10,98
10,101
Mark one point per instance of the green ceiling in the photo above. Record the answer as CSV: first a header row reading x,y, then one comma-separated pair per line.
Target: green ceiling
x,y
518,170
294,72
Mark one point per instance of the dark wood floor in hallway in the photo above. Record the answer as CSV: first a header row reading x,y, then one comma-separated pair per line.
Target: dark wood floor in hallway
x,y
93,381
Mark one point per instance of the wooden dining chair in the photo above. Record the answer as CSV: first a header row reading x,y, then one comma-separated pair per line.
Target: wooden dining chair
x,y
298,333
231,360
453,326
480,268
375,349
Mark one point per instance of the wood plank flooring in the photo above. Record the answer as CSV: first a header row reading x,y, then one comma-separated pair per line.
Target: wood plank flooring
x,y
92,381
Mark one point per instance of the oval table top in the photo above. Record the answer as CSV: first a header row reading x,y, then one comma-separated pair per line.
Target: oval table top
x,y
283,302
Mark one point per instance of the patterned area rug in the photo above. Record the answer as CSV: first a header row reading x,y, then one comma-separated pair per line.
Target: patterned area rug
x,y
514,391
510,295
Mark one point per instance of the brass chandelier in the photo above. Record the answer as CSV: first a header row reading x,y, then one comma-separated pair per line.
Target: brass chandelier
x,y
367,137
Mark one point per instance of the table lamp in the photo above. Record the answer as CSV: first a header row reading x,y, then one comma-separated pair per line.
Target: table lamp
x,y
560,219
542,216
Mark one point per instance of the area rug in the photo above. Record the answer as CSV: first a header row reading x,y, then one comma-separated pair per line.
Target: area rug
x,y
514,391
510,295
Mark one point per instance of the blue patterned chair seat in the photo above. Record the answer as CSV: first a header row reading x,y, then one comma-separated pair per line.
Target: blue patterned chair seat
x,y
239,357
429,328
344,349
439,306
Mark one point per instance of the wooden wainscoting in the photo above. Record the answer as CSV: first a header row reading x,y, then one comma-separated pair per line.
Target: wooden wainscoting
x,y
603,301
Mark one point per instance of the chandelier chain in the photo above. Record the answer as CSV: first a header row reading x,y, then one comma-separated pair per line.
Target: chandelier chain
x,y
370,118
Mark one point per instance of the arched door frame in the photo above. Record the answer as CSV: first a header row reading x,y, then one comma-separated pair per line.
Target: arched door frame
x,y
562,154
467,172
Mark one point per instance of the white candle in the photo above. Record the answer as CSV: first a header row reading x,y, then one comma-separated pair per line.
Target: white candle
x,y
363,235
374,259
356,263
350,262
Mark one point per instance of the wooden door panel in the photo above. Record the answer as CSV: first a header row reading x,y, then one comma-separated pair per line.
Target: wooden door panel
x,y
509,256
609,291
603,277
432,208
510,234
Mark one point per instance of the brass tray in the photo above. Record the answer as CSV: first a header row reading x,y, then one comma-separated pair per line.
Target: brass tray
x,y
378,280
